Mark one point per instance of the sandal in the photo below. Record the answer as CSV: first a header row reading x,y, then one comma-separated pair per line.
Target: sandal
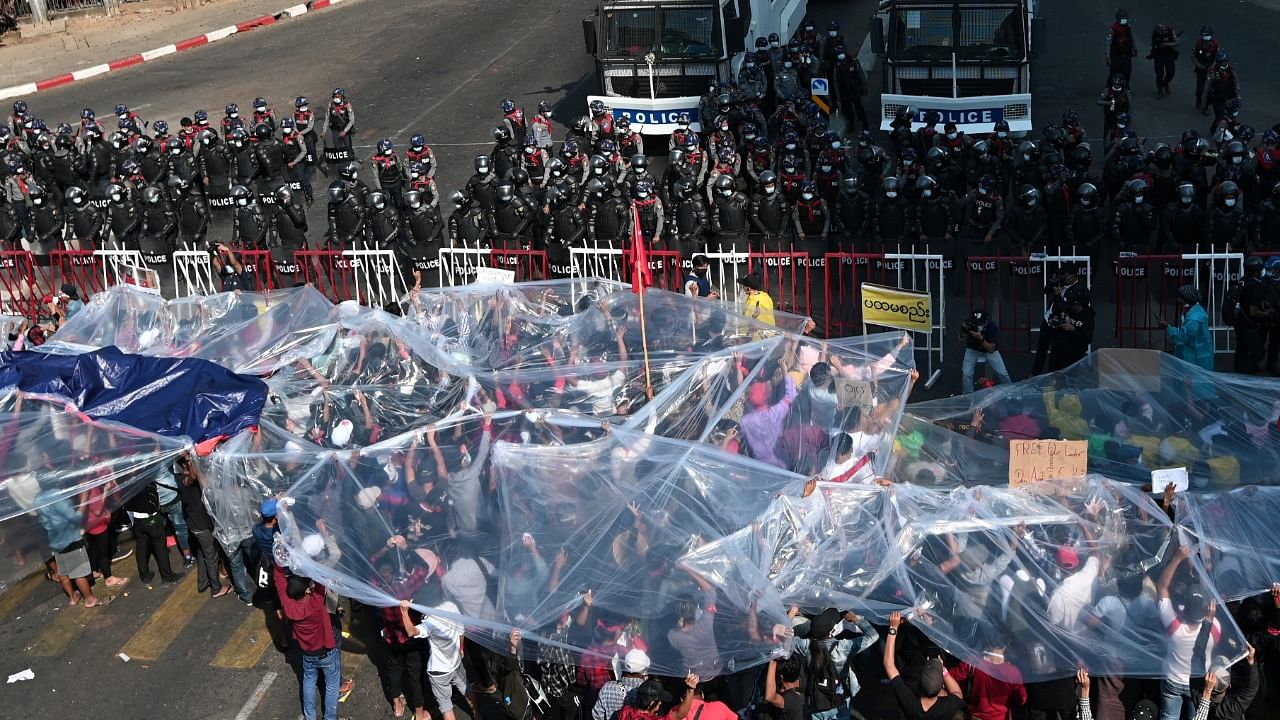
x,y
104,600
119,581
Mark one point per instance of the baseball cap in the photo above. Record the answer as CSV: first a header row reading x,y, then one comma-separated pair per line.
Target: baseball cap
x,y
1068,559
268,508
637,661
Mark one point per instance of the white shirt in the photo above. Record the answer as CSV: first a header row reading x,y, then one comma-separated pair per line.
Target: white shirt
x,y
1072,596
601,391
445,637
1182,643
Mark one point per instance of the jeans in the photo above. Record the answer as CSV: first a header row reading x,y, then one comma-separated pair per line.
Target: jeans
x,y
1173,695
237,556
825,714
178,517
994,360
330,665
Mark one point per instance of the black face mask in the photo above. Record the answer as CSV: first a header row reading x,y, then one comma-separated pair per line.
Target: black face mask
x,y
700,272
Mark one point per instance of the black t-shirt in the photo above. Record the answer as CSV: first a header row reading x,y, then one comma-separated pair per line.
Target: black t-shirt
x,y
793,704
944,709
1253,296
192,504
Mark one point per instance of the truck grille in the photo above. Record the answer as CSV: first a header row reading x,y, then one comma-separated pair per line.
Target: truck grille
x,y
670,80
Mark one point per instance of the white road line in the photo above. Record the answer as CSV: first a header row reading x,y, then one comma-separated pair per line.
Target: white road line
x,y
260,692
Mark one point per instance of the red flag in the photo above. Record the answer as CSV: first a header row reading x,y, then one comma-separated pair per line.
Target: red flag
x,y
641,274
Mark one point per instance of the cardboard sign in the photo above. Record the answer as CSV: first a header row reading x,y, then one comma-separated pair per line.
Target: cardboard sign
x,y
1035,460
144,279
1177,477
850,393
494,276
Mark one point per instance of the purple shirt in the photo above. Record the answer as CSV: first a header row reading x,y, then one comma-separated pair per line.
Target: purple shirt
x,y
762,427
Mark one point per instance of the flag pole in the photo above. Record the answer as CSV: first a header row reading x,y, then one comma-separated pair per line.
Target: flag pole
x,y
639,283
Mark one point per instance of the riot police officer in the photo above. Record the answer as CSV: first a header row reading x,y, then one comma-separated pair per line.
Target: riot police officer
x,y
124,218
482,186
933,215
383,220
652,216
249,223
729,216
47,223
770,215
346,216
891,223
505,154
511,219
243,159
1088,223
1182,221
1266,222
468,225
159,232
84,221
269,153
340,118
1226,224
420,250
216,168
296,163
388,172
689,219
812,220
304,122
608,216
1121,48
1024,223
983,216
193,216
1135,220
566,229
1254,315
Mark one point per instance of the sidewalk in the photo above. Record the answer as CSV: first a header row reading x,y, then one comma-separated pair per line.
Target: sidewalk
x,y
94,40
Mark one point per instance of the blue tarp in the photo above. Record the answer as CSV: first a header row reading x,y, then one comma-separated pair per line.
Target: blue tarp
x,y
168,396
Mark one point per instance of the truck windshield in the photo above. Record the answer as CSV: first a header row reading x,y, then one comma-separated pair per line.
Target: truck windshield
x,y
985,33
668,32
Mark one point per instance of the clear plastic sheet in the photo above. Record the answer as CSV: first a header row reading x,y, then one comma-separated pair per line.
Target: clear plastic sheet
x,y
1140,410
734,399
1236,537
248,333
1058,576
61,472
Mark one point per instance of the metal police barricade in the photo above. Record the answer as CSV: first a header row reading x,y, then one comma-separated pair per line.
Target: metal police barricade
x,y
193,274
258,264
328,272
617,264
792,279
1147,292
1011,288
376,274
908,269
458,265
607,263
19,294
90,271
725,268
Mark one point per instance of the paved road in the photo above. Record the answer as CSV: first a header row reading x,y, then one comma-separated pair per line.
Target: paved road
x,y
440,68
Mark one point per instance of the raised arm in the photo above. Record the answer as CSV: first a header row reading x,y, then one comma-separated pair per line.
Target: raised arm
x,y
891,646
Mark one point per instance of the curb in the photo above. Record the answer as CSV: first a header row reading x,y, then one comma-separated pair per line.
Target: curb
x,y
32,88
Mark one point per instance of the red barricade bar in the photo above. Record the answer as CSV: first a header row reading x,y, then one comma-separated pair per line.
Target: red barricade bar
x,y
329,272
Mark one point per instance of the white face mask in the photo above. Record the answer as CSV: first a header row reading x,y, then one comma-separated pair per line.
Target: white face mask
x,y
826,168
807,196
1124,21
242,202
952,136
1206,38
1138,199
37,201
841,57
234,115
891,194
927,193
1026,158
1121,126
787,64
832,33
1230,202
770,189
1237,160
1002,134
642,195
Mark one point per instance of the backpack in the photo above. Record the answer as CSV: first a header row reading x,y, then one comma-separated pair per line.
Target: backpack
x,y
823,687
1231,304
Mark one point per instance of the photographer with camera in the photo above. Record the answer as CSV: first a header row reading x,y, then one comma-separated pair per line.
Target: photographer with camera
x,y
1056,289
981,337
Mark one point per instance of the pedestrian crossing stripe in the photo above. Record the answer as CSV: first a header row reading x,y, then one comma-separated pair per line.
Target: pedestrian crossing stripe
x,y
246,646
162,628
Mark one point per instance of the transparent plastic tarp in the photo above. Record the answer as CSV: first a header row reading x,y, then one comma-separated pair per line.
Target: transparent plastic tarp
x,y
1140,410
1057,576
792,401
62,473
245,332
1237,537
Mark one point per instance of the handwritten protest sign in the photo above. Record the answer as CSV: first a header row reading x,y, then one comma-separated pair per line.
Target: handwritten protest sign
x,y
1035,460
850,393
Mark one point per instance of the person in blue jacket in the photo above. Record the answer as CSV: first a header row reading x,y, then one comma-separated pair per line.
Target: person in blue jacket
x,y
1192,339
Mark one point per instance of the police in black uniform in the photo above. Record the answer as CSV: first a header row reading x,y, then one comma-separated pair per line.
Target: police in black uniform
x,y
420,251
269,153
729,216
892,221
608,217
1254,316
84,221
47,223
193,216
482,186
383,220
1135,220
690,220
346,216
1088,223
566,228
1024,223
511,219
770,215
1226,224
159,233
468,225
124,218
287,236
250,223
1182,221
216,166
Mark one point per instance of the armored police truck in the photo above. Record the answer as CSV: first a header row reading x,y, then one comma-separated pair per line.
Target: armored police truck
x,y
967,60
655,58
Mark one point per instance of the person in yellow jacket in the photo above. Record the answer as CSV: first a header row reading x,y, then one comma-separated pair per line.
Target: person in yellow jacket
x,y
759,304
1064,414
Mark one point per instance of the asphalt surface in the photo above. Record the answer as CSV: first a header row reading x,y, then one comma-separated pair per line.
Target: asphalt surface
x,y
441,68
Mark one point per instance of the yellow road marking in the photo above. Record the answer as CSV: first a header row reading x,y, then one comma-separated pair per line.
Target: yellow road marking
x,y
246,646
61,631
153,638
21,590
